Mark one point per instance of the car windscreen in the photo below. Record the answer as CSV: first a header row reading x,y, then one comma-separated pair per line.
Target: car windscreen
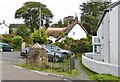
x,y
5,45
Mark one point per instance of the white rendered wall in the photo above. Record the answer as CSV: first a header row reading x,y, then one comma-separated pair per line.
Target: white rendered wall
x,y
4,29
114,36
104,34
106,39
100,67
119,36
52,38
100,33
79,32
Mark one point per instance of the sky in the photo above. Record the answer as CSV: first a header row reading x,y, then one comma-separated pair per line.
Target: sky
x,y
59,8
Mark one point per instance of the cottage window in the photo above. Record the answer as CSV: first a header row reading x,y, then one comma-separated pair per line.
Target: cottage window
x,y
1,27
73,33
51,37
97,49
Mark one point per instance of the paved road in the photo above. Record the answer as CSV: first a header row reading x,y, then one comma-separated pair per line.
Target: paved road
x,y
12,72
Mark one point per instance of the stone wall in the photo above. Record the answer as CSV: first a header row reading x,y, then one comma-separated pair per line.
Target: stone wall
x,y
37,56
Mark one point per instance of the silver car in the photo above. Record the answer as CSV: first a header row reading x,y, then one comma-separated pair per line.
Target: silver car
x,y
52,56
54,48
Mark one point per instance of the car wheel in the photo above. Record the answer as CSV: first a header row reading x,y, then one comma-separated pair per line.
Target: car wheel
x,y
55,59
65,54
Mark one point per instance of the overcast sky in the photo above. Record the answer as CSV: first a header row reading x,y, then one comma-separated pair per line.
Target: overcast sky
x,y
59,8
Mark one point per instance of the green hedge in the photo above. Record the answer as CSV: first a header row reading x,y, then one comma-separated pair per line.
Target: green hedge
x,y
17,41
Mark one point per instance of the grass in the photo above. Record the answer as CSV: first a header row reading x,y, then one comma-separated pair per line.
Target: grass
x,y
99,77
78,55
54,69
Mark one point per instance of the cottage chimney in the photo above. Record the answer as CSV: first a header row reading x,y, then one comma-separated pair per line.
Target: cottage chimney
x,y
3,21
76,18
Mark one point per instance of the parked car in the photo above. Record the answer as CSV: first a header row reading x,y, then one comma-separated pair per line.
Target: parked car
x,y
5,47
24,52
52,56
54,48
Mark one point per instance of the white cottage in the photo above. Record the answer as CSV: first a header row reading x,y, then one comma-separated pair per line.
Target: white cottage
x,y
106,45
74,30
4,29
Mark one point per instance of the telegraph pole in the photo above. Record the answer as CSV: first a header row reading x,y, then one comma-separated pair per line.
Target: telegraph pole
x,y
40,20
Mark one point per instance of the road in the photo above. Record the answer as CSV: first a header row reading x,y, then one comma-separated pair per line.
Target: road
x,y
12,72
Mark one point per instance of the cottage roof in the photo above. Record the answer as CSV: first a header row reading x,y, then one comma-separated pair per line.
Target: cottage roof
x,y
1,36
70,27
55,32
15,25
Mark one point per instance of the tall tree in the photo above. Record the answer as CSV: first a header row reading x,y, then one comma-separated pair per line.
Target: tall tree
x,y
91,13
23,31
30,12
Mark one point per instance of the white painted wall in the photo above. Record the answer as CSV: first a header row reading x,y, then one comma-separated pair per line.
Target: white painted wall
x,y
109,31
104,34
100,67
79,32
106,40
100,33
52,38
4,29
114,36
62,39
119,36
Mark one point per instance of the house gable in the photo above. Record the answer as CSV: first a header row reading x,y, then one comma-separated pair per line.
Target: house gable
x,y
74,30
77,32
4,29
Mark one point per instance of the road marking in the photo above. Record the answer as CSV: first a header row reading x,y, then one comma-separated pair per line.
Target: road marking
x,y
39,72
65,79
43,73
2,62
68,80
55,75
18,67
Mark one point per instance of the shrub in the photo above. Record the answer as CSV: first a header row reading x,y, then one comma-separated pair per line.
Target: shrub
x,y
82,47
7,38
17,41
77,46
8,35
35,37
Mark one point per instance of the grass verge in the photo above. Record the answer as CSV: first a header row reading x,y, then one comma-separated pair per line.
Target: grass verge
x,y
61,68
99,77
